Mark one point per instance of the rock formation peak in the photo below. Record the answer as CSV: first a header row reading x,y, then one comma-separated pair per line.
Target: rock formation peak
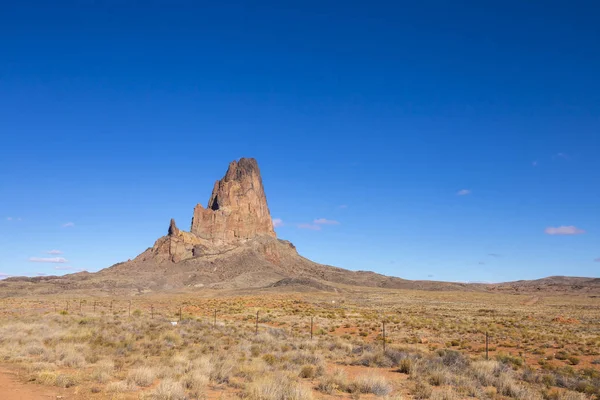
x,y
237,209
173,230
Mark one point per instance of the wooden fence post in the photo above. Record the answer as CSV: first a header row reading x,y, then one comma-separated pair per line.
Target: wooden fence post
x,y
256,329
384,336
486,345
311,328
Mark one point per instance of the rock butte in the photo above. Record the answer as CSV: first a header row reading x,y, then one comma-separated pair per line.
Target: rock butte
x,y
237,211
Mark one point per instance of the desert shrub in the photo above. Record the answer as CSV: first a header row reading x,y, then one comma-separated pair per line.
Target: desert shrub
x,y
46,377
330,383
486,371
405,366
168,390
422,390
222,369
69,356
118,387
306,357
308,371
65,380
439,377
507,386
103,371
371,383
277,387
142,376
269,359
34,349
444,394
573,360
196,382
510,360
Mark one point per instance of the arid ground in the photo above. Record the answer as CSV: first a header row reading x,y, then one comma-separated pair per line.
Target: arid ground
x,y
209,345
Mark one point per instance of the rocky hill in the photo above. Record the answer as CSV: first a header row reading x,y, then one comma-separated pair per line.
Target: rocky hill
x,y
231,244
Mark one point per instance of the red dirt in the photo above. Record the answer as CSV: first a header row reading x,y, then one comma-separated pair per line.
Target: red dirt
x,y
12,389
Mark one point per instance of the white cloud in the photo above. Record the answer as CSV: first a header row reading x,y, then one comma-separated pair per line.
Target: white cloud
x,y
54,252
463,192
58,260
310,227
324,221
9,218
277,222
4,276
68,225
564,230
562,155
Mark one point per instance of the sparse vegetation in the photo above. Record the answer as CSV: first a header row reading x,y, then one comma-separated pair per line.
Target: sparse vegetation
x,y
434,348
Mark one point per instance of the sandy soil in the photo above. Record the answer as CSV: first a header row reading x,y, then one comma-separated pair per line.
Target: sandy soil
x,y
11,388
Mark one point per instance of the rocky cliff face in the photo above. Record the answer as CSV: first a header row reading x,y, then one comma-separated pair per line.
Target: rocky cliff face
x,y
237,209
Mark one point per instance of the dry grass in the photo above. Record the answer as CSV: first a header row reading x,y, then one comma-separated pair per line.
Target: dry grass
x,y
434,346
278,387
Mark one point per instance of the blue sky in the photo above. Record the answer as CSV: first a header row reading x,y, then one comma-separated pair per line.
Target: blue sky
x,y
449,140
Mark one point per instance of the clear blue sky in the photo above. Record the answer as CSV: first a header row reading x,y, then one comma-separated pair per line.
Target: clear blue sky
x,y
377,115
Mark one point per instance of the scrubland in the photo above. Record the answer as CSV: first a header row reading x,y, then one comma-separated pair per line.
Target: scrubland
x,y
171,347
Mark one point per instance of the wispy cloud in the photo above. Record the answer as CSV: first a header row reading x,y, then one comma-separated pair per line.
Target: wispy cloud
x,y
13,218
58,260
41,274
496,255
63,268
4,276
343,206
277,222
481,263
54,252
463,192
597,259
564,230
310,227
562,156
534,163
325,221
68,225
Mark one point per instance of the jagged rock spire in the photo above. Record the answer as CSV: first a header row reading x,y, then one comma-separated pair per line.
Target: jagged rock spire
x,y
237,208
173,230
